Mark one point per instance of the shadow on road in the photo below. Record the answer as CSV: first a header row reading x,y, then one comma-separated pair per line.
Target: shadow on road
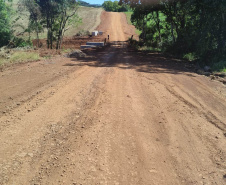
x,y
119,54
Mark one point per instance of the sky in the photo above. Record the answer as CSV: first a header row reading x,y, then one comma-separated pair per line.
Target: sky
x,y
95,1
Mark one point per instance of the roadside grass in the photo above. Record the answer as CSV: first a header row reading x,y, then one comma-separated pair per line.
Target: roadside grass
x,y
216,67
149,49
66,50
18,57
128,17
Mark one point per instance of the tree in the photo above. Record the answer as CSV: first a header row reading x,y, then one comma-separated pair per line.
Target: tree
x,y
34,17
183,26
5,27
54,15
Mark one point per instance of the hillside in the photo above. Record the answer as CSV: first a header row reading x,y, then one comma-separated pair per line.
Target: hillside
x,y
90,19
83,3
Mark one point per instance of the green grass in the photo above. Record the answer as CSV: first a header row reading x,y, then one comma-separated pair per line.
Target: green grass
x,y
18,57
162,17
128,17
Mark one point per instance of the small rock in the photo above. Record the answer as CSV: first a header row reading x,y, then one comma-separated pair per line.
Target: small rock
x,y
207,73
212,77
23,154
200,71
207,69
30,154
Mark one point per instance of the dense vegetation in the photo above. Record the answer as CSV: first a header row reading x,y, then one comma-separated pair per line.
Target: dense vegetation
x,y
115,7
195,29
5,27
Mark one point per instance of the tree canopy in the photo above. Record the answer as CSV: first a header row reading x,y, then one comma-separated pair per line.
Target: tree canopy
x,y
115,7
183,26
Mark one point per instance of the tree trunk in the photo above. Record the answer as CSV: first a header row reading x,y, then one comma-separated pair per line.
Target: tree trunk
x,y
174,40
38,43
158,26
143,30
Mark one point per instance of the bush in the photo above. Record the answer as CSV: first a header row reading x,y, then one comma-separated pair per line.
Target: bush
x,y
19,42
219,66
189,56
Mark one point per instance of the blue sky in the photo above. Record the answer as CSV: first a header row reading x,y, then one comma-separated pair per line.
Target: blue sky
x,y
95,1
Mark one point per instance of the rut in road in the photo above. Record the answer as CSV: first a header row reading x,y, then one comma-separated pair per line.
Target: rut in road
x,y
116,117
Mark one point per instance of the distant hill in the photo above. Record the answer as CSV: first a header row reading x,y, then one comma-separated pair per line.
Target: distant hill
x,y
83,3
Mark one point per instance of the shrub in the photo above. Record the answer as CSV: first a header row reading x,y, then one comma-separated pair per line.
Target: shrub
x,y
189,56
219,66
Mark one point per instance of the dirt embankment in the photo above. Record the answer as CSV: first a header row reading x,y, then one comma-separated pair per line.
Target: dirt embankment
x,y
114,117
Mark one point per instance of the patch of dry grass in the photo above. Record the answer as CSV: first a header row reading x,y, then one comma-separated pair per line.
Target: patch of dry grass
x,y
13,57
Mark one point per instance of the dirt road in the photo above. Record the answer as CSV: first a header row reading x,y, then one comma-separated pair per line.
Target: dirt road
x,y
115,117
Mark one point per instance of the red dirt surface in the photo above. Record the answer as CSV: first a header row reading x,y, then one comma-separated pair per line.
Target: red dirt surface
x,y
73,42
117,116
